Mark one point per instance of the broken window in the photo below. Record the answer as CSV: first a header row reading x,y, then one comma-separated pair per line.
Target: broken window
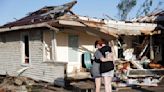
x,y
73,48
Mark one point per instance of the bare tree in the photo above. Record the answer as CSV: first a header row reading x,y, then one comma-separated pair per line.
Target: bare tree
x,y
125,6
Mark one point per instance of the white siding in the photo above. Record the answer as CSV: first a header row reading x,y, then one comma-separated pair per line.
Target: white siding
x,y
85,41
11,63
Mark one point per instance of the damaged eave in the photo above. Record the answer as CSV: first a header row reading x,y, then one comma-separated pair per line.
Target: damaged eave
x,y
109,31
122,28
102,28
75,20
39,25
71,23
99,25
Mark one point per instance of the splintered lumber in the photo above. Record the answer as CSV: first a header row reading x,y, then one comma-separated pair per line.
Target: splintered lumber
x,y
151,49
136,64
143,46
145,72
142,52
133,62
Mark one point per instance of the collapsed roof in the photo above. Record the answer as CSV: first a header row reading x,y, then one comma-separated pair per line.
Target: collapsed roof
x,y
154,17
54,17
43,15
123,28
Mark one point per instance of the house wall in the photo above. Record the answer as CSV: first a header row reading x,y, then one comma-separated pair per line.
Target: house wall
x,y
9,53
38,68
11,62
85,41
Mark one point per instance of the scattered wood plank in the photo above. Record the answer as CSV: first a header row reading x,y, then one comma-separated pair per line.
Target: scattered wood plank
x,y
145,72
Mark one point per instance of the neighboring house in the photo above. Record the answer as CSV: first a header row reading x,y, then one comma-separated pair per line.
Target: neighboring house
x,y
141,43
129,34
156,17
144,34
48,44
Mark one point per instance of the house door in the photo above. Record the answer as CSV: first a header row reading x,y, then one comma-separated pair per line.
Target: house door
x,y
73,48
25,48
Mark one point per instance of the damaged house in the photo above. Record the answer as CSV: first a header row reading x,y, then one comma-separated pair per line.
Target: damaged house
x,y
143,34
53,43
48,44
139,49
156,17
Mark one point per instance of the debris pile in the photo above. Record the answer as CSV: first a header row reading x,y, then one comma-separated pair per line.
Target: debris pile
x,y
138,66
24,84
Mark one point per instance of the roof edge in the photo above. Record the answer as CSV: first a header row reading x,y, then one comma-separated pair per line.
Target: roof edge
x,y
45,24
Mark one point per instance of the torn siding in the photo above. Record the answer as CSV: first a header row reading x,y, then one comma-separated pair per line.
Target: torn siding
x,y
123,28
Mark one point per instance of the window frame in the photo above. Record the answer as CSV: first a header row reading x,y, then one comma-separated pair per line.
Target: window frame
x,y
23,49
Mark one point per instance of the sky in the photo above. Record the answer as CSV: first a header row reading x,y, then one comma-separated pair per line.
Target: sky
x,y
10,10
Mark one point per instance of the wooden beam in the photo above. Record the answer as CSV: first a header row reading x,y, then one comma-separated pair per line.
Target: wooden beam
x,y
151,48
71,23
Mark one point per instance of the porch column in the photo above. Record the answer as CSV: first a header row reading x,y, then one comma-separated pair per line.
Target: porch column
x,y
151,48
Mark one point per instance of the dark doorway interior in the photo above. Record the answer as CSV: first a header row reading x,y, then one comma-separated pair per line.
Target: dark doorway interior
x,y
26,41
